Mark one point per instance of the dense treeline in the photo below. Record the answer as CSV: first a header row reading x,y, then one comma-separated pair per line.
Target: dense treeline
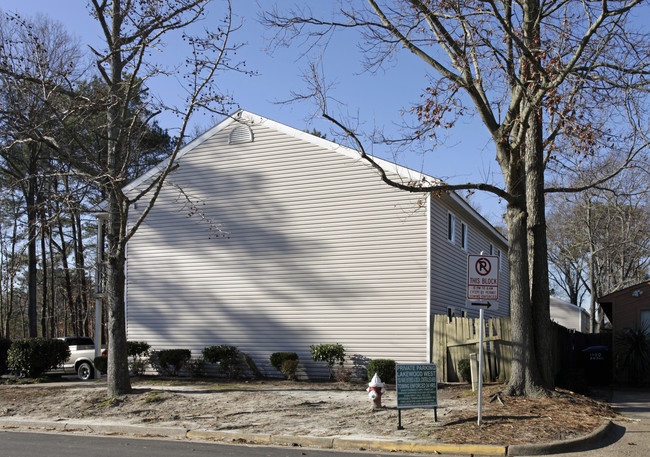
x,y
599,241
52,160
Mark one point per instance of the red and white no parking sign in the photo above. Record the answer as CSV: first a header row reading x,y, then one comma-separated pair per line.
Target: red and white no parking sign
x,y
482,277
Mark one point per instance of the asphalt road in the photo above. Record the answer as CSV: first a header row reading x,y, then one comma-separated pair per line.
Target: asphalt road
x,y
20,444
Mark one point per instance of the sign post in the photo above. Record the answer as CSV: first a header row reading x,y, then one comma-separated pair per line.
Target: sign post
x,y
479,420
482,284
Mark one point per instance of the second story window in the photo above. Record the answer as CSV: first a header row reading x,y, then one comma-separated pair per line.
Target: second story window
x,y
451,227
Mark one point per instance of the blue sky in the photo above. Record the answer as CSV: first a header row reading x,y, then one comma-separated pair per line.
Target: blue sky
x,y
376,99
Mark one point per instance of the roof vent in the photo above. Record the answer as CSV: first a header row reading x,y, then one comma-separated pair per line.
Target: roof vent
x,y
241,134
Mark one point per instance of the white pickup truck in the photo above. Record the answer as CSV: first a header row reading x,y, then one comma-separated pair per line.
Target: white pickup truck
x,y
82,354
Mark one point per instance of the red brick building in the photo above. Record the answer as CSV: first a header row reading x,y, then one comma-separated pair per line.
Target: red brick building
x,y
627,308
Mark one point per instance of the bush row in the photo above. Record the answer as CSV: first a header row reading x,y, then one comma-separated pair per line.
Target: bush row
x,y
172,361
33,357
331,354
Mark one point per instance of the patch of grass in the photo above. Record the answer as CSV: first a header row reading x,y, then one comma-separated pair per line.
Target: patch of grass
x,y
113,401
234,387
154,396
154,399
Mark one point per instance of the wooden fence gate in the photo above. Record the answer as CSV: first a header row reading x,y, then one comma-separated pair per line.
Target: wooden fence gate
x,y
454,339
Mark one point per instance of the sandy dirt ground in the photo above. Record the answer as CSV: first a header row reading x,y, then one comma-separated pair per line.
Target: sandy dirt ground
x,y
311,409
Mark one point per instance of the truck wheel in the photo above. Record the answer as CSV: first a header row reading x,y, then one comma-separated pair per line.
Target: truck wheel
x,y
85,371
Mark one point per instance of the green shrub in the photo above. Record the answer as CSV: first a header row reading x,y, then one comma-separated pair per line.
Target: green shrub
x,y
330,354
226,356
35,356
465,370
5,344
277,359
196,367
101,363
385,369
289,367
137,350
172,361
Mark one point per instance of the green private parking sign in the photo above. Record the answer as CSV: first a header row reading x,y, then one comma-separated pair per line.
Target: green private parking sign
x,y
417,385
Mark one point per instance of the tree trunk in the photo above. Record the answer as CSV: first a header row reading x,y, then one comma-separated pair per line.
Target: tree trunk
x,y
81,273
4,266
119,382
524,375
32,261
67,280
75,313
118,371
12,275
592,270
538,250
54,319
44,280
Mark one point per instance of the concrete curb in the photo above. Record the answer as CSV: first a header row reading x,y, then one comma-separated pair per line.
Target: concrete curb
x,y
104,429
351,444
316,442
562,447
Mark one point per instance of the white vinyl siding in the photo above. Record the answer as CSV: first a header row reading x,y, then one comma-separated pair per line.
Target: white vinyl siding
x,y
449,261
312,248
463,235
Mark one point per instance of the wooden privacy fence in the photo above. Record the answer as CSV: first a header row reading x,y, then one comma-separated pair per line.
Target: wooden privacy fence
x,y
454,339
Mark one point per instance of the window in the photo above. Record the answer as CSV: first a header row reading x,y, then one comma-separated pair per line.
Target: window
x,y
645,321
463,235
451,227
491,249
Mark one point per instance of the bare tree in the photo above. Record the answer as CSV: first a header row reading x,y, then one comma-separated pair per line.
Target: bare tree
x,y
31,53
525,68
566,254
133,30
602,237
